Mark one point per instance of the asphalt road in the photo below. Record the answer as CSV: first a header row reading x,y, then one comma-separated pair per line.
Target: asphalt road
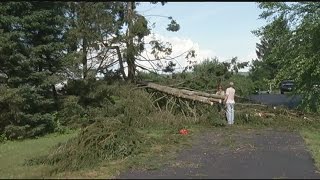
x,y
250,154
276,99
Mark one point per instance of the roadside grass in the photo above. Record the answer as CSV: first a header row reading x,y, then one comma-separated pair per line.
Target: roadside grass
x,y
14,153
311,137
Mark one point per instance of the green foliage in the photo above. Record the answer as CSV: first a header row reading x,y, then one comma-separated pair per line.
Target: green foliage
x,y
243,85
103,140
207,75
170,67
3,138
23,113
91,27
312,137
31,51
296,49
71,112
282,118
265,68
173,26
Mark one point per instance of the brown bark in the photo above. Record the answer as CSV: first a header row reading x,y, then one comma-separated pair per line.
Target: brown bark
x,y
120,60
198,93
130,45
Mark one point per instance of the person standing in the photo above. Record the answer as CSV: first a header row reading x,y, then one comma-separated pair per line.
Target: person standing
x,y
229,102
220,92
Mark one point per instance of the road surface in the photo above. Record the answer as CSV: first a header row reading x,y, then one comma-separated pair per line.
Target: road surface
x,y
263,154
276,99
248,154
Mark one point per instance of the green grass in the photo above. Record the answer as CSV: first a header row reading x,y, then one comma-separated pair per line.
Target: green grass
x,y
312,140
14,153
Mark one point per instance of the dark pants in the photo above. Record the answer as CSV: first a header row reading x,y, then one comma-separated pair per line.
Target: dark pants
x,y
220,107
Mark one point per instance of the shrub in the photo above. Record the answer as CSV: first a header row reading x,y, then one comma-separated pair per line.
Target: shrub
x,y
103,140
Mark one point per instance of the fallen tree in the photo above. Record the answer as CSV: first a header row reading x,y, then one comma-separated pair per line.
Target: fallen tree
x,y
185,94
199,96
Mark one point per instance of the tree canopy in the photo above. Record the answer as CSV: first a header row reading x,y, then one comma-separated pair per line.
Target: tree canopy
x,y
289,48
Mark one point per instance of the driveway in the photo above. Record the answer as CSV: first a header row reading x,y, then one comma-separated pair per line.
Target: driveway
x,y
276,99
237,153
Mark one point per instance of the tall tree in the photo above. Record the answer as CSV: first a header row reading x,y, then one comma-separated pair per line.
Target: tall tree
x,y
137,29
94,29
31,56
266,66
299,51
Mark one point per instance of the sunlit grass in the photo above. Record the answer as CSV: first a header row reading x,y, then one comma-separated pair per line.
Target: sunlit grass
x,y
14,153
312,139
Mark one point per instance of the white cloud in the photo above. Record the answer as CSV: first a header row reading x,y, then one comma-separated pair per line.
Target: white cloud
x,y
182,45
179,46
249,57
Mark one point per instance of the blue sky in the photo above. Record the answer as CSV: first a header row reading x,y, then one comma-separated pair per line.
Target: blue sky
x,y
221,27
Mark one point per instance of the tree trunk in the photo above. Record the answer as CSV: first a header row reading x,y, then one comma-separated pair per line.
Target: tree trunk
x,y
84,58
130,45
55,96
198,93
120,61
53,88
186,94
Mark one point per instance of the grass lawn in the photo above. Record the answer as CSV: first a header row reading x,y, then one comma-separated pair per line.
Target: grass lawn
x,y
14,153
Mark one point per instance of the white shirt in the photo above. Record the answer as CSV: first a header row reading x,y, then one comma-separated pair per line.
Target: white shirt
x,y
230,92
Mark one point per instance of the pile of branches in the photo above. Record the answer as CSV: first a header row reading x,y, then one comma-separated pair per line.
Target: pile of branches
x,y
246,109
102,140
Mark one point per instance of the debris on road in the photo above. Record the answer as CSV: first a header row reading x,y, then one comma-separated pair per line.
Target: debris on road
x,y
184,131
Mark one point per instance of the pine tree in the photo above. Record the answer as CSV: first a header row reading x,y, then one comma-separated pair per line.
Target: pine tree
x,y
32,52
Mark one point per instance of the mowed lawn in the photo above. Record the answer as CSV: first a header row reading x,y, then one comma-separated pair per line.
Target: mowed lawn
x,y
14,153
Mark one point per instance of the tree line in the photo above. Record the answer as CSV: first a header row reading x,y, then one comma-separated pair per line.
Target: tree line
x,y
289,49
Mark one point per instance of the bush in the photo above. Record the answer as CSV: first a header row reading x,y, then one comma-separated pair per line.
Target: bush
x,y
24,112
71,113
103,140
3,138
